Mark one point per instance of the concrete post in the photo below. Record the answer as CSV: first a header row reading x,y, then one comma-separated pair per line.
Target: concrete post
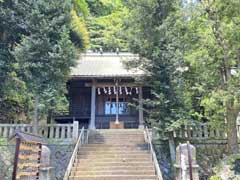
x,y
75,130
186,167
140,99
45,171
93,107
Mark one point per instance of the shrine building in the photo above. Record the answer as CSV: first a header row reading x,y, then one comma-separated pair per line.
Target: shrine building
x,y
102,90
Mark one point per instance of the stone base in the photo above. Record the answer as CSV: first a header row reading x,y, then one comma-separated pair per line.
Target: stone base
x,y
45,173
141,127
114,125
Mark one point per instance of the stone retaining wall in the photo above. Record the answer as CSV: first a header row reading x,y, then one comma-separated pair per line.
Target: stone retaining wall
x,y
60,156
208,156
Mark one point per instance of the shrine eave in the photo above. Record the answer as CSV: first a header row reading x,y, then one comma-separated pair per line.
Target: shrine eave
x,y
106,66
105,76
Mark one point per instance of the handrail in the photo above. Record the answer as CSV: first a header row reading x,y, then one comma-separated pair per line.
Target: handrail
x,y
80,141
153,154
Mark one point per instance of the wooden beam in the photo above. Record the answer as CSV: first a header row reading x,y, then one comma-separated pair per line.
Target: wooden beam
x,y
111,84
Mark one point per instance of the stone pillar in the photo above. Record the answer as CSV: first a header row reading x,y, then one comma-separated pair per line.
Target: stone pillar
x,y
186,153
45,170
172,148
75,130
140,99
93,107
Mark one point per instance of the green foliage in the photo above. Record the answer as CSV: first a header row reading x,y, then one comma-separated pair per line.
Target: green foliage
x,y
105,25
193,55
149,35
103,7
46,55
215,178
81,8
106,33
79,32
35,56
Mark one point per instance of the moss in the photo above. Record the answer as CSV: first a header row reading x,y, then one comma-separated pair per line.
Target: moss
x,y
232,158
215,178
3,141
6,159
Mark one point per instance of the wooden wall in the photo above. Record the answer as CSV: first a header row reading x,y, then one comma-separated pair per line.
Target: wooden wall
x,y
80,105
79,99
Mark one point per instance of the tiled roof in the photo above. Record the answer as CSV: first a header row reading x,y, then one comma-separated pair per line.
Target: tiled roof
x,y
105,65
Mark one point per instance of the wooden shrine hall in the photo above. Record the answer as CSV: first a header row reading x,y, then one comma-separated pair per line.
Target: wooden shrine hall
x,y
102,92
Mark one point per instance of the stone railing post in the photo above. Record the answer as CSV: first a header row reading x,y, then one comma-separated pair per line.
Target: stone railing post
x,y
186,167
172,147
45,170
75,130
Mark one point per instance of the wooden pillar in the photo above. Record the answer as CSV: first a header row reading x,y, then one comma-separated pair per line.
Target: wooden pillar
x,y
93,107
18,142
140,99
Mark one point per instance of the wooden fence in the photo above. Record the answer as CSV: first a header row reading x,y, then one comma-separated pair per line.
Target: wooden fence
x,y
51,131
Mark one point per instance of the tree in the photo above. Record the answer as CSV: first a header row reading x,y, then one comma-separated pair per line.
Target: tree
x,y
46,54
193,59
14,101
105,24
153,31
216,27
79,33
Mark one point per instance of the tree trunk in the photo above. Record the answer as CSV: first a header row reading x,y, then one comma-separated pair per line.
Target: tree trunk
x,y
35,121
49,116
232,138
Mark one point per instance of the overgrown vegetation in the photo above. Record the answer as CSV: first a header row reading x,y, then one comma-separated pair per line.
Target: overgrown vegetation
x,y
191,51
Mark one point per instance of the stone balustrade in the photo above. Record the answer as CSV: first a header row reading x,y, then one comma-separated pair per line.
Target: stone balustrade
x,y
200,131
51,131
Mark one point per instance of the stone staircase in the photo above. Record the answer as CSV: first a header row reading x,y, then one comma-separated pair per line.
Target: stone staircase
x,y
114,155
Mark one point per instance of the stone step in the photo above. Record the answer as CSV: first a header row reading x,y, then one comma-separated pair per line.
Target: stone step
x,y
113,168
112,148
112,143
109,164
108,154
115,131
113,155
86,160
115,145
116,136
115,172
114,177
111,152
116,141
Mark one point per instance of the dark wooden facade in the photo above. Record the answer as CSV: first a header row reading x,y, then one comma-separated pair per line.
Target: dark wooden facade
x,y
79,95
101,90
